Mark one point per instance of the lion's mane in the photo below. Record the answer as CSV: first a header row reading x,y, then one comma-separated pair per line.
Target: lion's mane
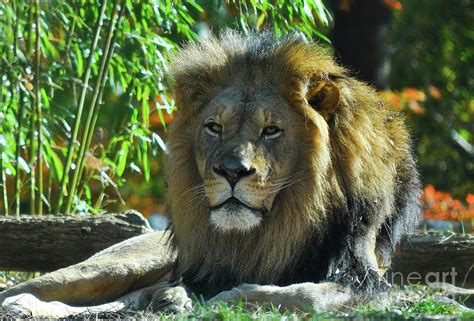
x,y
360,176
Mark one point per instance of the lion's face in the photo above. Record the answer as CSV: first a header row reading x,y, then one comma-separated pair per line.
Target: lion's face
x,y
244,156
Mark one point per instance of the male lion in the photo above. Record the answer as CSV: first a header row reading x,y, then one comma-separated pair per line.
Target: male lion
x,y
283,171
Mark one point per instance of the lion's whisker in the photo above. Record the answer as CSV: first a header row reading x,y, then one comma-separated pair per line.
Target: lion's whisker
x,y
295,178
295,175
195,189
286,185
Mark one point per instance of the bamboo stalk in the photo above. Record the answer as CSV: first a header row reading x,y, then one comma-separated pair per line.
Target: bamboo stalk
x,y
17,153
69,37
4,184
32,165
16,24
32,152
2,72
100,198
3,179
96,105
38,107
29,39
80,108
69,34
94,109
19,120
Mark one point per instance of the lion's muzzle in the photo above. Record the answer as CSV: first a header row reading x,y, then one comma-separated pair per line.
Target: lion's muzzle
x,y
233,205
234,215
232,168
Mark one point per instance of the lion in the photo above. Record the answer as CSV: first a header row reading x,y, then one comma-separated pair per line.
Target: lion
x,y
289,183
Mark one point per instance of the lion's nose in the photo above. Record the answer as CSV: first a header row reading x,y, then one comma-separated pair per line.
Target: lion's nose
x,y
233,169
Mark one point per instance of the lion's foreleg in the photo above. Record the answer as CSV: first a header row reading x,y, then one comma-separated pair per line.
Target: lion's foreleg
x,y
122,268
165,296
327,296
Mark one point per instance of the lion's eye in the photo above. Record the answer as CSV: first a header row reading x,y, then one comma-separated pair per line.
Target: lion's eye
x,y
213,129
271,132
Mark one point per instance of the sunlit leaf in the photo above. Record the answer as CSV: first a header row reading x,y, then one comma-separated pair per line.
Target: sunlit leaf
x,y
122,158
44,98
79,62
145,161
159,142
53,161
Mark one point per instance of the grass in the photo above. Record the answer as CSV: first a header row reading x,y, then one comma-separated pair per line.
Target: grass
x,y
420,310
410,303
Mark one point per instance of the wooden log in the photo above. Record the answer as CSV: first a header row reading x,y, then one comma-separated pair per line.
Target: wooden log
x,y
433,258
47,243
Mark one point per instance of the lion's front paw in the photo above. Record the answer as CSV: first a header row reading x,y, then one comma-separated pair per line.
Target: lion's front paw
x,y
245,292
21,304
227,296
28,305
165,299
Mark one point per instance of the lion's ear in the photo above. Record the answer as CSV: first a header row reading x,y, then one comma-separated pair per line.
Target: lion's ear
x,y
324,96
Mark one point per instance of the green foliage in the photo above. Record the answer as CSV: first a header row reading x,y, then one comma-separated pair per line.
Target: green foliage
x,y
432,43
432,307
308,17
88,110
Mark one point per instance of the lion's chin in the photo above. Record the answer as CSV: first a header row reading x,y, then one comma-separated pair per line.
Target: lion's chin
x,y
232,216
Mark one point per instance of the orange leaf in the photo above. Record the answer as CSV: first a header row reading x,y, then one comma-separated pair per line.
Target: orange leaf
x,y
434,92
395,5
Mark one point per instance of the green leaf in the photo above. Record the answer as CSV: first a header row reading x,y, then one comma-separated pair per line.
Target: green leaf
x,y
24,165
87,191
162,118
157,140
122,158
79,62
44,98
146,107
53,161
307,9
197,6
321,11
261,19
135,168
143,157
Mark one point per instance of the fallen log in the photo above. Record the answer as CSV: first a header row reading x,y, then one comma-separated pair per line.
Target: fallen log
x,y
433,258
47,243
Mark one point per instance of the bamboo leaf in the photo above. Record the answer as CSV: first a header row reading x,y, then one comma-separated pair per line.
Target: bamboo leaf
x,y
53,161
122,158
79,61
157,140
24,165
135,168
44,98
146,107
144,158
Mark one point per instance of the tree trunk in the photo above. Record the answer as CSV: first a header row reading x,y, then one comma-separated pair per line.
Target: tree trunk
x,y
47,243
360,38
